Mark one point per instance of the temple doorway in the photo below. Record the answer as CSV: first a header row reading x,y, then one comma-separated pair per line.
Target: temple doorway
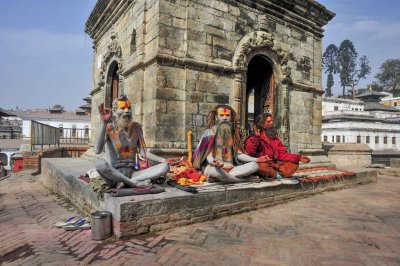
x,y
112,84
260,85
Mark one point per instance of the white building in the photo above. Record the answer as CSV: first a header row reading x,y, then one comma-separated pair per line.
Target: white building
x,y
71,124
356,121
391,101
331,105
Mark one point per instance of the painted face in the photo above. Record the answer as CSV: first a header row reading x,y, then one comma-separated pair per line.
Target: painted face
x,y
268,122
224,115
124,110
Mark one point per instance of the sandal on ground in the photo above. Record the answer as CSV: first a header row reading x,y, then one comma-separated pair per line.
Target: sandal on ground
x,y
69,221
81,224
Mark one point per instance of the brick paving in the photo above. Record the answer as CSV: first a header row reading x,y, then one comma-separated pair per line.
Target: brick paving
x,y
357,226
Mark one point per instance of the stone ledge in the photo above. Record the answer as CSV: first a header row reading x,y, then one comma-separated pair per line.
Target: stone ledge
x,y
353,148
148,213
389,171
350,154
395,163
317,156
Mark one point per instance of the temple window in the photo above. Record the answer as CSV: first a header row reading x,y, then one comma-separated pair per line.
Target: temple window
x,y
133,41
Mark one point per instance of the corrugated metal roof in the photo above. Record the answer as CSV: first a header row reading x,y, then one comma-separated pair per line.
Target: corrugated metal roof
x,y
371,93
88,99
87,107
10,126
4,112
38,115
373,106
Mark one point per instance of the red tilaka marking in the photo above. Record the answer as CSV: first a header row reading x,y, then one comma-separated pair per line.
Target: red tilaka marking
x,y
126,105
126,148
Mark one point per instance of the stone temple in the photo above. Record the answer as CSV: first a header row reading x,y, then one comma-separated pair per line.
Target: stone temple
x,y
177,59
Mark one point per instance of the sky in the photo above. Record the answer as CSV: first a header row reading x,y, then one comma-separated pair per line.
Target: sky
x,y
45,55
373,27
46,58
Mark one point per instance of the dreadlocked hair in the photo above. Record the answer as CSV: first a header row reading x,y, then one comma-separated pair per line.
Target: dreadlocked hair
x,y
260,119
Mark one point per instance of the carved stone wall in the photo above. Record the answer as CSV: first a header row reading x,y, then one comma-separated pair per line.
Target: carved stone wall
x,y
189,56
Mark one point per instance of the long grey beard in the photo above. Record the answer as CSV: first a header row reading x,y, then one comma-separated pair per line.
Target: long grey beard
x,y
123,124
223,148
224,130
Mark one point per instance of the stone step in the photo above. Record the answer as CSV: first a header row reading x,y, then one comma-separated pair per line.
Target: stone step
x,y
139,214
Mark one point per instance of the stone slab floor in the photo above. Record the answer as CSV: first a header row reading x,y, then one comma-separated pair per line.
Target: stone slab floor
x,y
357,226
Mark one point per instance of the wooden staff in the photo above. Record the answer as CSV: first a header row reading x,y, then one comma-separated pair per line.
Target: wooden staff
x,y
189,140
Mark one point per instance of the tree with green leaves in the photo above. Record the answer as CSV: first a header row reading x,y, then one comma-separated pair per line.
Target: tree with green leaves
x,y
389,76
360,73
329,85
330,64
350,74
347,57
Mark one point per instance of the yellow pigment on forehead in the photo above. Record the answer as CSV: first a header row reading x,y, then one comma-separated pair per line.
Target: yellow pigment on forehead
x,y
123,105
224,111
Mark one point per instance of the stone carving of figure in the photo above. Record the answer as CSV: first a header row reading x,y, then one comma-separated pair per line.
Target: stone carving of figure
x,y
220,149
122,139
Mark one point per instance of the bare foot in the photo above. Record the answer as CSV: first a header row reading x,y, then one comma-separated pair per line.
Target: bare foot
x,y
120,185
144,184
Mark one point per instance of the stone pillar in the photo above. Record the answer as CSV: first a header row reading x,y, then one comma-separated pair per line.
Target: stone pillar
x,y
121,86
237,96
285,100
283,107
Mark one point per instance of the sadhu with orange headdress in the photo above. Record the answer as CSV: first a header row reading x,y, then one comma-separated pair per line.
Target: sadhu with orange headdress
x,y
220,150
123,139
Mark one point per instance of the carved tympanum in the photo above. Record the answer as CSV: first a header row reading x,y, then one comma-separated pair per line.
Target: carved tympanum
x,y
258,41
113,51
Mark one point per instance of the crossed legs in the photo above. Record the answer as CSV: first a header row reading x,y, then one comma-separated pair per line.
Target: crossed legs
x,y
112,176
234,175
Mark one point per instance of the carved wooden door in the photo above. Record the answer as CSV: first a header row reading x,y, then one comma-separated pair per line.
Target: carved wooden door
x,y
260,85
114,86
267,95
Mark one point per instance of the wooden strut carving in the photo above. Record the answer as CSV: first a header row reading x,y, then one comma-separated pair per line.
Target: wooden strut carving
x,y
268,100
